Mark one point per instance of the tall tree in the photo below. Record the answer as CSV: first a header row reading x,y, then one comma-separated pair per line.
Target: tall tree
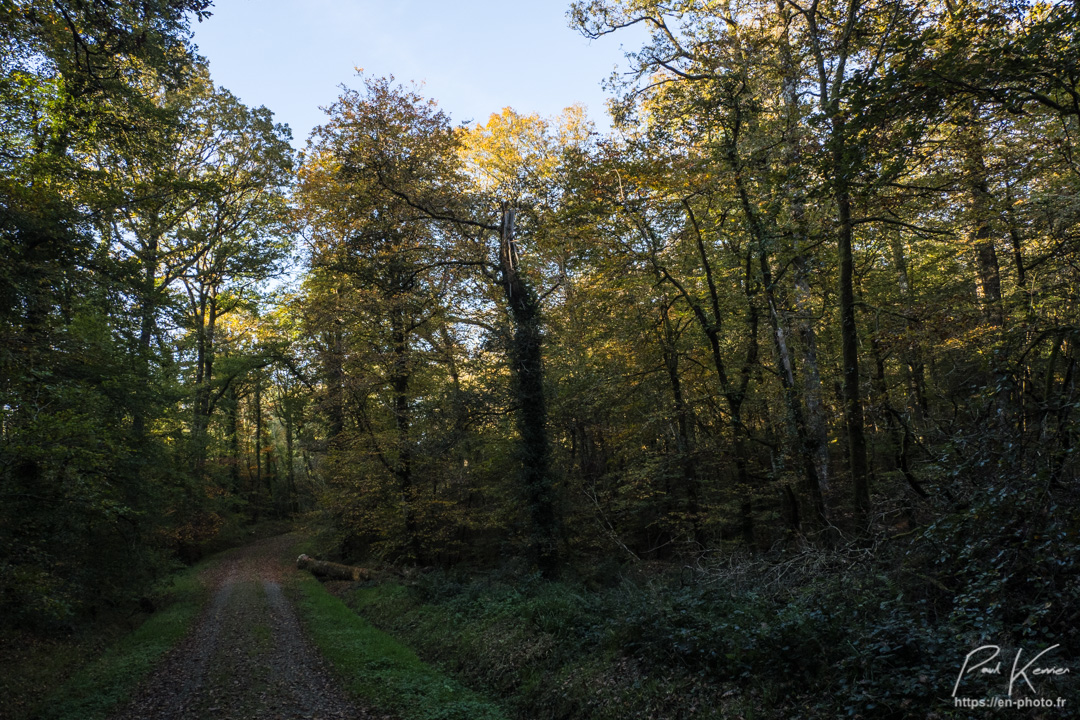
x,y
385,264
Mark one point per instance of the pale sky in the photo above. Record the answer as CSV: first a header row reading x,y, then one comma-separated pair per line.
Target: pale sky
x,y
473,56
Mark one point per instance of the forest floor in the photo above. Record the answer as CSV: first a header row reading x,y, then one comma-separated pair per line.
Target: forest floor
x,y
247,655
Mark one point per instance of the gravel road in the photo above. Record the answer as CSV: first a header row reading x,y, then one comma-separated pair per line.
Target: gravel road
x,y
247,656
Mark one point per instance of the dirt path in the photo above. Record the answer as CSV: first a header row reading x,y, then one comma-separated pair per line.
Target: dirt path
x,y
247,656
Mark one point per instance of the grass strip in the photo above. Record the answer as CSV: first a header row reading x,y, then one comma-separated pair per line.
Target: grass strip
x,y
103,685
381,671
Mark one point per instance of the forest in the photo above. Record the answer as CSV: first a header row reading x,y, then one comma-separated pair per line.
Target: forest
x,y
795,341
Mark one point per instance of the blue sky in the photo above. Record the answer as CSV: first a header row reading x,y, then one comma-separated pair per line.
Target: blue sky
x,y
473,56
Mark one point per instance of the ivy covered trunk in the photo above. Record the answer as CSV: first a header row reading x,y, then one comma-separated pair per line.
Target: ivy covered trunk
x,y
526,361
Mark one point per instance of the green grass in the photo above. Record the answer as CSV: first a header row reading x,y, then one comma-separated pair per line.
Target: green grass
x,y
381,671
103,685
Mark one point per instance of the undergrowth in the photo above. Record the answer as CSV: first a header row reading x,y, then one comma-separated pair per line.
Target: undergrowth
x,y
104,684
878,628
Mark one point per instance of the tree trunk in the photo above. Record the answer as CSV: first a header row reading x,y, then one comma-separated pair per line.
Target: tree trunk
x,y
916,368
257,399
526,360
146,326
734,396
206,319
802,441
1017,247
399,382
684,422
849,337
987,269
233,409
332,571
290,470
817,436
334,367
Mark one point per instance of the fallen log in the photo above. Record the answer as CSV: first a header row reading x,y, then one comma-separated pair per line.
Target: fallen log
x,y
332,571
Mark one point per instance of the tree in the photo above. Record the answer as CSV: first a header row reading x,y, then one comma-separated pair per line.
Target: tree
x,y
74,81
704,56
518,163
385,266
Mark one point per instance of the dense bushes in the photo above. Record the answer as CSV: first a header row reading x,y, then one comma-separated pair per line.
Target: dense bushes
x,y
868,631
